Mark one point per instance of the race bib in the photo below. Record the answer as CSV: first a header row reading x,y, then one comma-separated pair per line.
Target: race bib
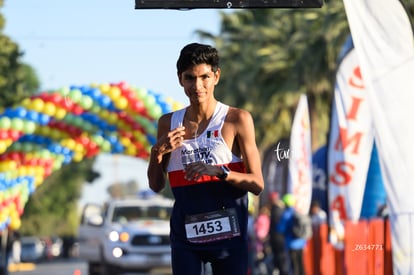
x,y
212,226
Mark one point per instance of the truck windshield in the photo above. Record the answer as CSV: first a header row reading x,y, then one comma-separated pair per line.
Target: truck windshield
x,y
136,213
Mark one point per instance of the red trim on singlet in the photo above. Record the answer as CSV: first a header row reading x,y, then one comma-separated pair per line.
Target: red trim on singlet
x,y
177,177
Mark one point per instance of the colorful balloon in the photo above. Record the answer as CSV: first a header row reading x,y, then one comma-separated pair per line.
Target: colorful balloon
x,y
52,129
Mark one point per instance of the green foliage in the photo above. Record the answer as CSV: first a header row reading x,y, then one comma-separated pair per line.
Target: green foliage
x,y
53,207
17,80
272,56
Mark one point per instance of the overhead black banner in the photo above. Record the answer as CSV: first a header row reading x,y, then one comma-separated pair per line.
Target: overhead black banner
x,y
221,4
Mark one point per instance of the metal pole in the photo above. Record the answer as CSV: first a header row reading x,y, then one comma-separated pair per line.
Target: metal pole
x,y
3,252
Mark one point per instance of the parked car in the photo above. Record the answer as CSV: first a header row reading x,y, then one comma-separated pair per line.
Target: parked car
x,y
32,249
128,235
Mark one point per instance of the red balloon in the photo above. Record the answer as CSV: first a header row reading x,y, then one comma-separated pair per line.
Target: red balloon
x,y
14,134
4,134
56,98
77,110
137,106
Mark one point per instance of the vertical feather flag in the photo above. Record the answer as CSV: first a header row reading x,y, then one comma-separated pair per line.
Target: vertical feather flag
x,y
300,158
383,39
350,139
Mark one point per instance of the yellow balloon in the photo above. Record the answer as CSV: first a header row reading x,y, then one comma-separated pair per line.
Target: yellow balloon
x,y
114,93
122,125
38,180
31,170
131,150
60,113
3,146
69,143
11,165
37,104
26,102
9,142
39,172
177,106
56,134
49,108
22,171
15,223
105,87
112,118
79,148
104,114
3,217
125,141
121,103
77,157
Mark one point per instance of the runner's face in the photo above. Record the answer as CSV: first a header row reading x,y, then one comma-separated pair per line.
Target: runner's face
x,y
199,82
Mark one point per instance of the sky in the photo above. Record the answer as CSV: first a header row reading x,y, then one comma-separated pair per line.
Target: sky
x,y
81,42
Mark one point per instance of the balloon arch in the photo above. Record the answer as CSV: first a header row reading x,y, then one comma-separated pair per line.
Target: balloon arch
x,y
54,128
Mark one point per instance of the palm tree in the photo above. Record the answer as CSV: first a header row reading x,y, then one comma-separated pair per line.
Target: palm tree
x,y
271,56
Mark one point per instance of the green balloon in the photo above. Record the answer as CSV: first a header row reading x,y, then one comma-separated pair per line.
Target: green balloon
x,y
98,140
95,109
5,123
140,92
64,91
29,127
86,102
155,112
28,147
149,101
106,146
75,95
17,124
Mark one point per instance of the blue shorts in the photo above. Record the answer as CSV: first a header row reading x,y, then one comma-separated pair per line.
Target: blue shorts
x,y
223,261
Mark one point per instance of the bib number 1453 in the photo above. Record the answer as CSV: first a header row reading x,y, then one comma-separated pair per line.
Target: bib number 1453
x,y
212,226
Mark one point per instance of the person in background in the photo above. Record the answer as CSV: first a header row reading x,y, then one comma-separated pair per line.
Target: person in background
x,y
293,245
262,228
337,231
251,236
209,153
318,215
277,239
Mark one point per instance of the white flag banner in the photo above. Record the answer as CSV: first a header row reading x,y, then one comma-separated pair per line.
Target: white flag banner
x,y
300,158
383,40
350,141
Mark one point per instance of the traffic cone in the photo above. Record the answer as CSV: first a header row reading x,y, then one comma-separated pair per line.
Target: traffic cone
x,y
77,272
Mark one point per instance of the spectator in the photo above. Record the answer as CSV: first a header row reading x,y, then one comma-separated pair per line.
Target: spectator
x,y
318,215
262,227
277,240
337,231
16,248
293,245
251,236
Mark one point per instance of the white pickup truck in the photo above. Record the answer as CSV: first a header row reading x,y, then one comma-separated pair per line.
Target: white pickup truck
x,y
128,235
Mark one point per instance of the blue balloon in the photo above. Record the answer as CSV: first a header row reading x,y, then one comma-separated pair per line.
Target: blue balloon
x,y
32,116
104,101
20,112
43,119
151,139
